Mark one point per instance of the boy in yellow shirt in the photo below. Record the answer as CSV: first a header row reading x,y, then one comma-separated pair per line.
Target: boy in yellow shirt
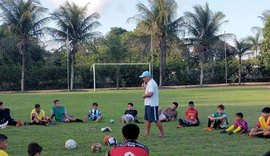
x,y
263,124
38,116
3,144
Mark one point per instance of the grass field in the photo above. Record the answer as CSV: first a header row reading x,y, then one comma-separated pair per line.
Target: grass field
x,y
186,141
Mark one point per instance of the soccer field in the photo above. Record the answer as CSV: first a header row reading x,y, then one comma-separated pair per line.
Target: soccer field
x,y
112,103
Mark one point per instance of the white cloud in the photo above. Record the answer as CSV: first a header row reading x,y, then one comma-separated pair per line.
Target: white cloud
x,y
94,6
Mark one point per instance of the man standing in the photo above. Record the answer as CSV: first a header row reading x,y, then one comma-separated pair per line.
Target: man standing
x,y
151,103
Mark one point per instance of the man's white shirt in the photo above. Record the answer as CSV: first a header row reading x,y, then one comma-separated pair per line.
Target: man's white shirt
x,y
151,86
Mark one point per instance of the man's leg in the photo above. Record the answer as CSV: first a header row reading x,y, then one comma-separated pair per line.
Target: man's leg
x,y
147,127
160,127
147,115
154,117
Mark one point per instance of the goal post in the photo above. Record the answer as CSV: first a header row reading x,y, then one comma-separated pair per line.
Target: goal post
x,y
93,67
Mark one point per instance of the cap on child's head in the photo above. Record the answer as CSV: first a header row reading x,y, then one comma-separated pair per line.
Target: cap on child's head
x,y
266,110
131,104
240,115
221,106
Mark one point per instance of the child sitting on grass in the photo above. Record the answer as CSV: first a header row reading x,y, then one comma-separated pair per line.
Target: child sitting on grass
x,y
240,125
217,119
130,114
38,117
169,114
3,144
263,124
60,114
94,113
192,117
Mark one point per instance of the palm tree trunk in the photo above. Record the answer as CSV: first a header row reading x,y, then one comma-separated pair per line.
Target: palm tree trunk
x,y
201,74
212,69
239,70
162,46
72,71
22,70
117,76
22,52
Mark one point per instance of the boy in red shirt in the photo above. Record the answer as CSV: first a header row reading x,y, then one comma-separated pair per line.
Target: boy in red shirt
x,y
192,117
130,147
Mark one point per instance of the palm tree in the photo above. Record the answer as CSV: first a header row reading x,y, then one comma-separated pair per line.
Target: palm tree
x,y
255,42
25,20
241,48
76,27
265,15
157,19
203,26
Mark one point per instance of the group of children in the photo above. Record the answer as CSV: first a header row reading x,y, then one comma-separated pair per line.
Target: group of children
x,y
217,120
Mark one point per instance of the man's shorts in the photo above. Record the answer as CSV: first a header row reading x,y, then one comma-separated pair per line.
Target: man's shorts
x,y
151,113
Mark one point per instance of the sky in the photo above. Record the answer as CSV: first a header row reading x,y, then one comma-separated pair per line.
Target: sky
x,y
241,14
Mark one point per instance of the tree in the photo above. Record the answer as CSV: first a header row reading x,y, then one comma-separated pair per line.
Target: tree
x,y
203,26
116,49
76,27
157,19
255,42
241,48
265,47
25,20
265,15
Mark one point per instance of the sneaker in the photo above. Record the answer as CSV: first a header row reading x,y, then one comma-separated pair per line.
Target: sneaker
x,y
4,125
106,129
230,133
223,131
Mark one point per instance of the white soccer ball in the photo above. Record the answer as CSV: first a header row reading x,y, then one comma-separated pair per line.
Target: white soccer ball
x,y
112,141
111,121
70,144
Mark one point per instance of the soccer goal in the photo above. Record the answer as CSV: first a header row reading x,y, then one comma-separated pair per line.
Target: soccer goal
x,y
93,67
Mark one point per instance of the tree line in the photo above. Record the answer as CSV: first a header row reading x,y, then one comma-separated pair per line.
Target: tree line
x,y
182,50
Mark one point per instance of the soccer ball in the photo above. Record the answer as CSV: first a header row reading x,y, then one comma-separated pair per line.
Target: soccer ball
x,y
96,147
111,121
112,141
105,139
70,144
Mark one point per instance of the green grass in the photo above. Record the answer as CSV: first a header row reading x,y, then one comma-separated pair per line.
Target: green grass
x,y
186,141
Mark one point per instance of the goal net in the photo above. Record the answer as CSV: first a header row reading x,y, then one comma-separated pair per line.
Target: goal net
x,y
113,75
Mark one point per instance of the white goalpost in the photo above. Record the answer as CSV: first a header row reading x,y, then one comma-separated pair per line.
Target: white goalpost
x,y
113,64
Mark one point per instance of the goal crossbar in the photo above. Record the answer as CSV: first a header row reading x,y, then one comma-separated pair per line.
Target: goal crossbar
x,y
113,64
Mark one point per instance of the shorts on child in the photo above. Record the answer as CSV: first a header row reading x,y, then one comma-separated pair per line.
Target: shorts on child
x,y
127,118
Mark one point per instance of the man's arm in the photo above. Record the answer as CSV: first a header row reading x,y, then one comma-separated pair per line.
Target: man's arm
x,y
148,95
